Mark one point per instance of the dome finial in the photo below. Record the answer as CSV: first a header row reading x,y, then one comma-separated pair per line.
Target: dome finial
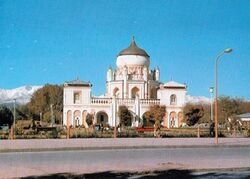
x,y
133,41
133,49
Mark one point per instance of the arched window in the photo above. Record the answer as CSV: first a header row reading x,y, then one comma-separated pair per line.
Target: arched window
x,y
134,92
77,97
116,92
173,99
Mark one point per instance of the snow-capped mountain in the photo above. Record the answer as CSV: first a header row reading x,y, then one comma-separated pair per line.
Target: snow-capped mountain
x,y
24,93
21,94
197,99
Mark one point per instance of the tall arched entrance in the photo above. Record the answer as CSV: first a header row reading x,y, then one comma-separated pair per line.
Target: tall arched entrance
x,y
102,118
173,120
77,116
130,117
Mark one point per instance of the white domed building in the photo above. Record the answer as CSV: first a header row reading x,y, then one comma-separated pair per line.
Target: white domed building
x,y
132,84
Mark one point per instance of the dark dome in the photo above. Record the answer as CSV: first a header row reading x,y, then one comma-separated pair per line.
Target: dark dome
x,y
133,50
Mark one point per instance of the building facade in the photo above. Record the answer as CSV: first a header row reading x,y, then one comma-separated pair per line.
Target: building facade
x,y
132,84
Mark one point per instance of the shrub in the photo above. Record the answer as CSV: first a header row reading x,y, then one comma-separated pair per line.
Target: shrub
x,y
29,132
248,133
52,134
19,131
128,133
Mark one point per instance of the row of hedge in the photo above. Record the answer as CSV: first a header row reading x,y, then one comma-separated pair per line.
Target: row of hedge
x,y
91,133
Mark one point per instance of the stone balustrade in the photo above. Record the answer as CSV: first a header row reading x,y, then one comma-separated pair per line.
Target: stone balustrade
x,y
101,100
150,101
120,101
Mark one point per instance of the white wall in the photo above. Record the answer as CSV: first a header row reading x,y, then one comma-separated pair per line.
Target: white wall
x,y
69,95
116,84
164,96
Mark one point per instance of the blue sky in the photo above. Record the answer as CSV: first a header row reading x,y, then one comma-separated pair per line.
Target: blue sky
x,y
55,41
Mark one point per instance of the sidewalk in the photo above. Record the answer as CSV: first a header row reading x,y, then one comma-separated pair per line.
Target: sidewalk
x,y
110,143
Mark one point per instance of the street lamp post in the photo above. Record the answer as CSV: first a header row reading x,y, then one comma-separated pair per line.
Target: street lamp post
x,y
228,50
211,90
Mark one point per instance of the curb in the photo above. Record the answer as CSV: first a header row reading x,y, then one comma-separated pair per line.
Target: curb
x,y
120,147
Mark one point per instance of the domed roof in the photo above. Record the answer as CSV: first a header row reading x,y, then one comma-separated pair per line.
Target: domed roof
x,y
133,50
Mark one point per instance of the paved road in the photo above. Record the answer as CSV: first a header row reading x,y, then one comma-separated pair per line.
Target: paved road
x,y
101,143
91,161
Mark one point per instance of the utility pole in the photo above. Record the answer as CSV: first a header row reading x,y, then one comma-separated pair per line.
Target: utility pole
x,y
211,90
115,129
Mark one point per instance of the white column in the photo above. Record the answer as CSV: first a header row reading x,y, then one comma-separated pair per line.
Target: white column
x,y
125,76
177,121
169,118
64,116
72,119
114,112
81,119
137,109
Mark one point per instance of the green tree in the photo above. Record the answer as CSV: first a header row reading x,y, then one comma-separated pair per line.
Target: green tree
x,y
125,116
227,107
42,99
22,112
206,118
89,119
148,120
156,113
6,116
234,122
244,106
193,113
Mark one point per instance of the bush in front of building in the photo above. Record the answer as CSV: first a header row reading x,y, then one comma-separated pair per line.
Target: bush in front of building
x,y
248,133
125,116
128,132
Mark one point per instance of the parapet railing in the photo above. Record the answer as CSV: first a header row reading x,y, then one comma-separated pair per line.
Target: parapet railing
x,y
120,101
150,101
101,100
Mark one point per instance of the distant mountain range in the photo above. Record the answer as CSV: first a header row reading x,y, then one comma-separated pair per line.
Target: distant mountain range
x,y
24,93
21,94
197,99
